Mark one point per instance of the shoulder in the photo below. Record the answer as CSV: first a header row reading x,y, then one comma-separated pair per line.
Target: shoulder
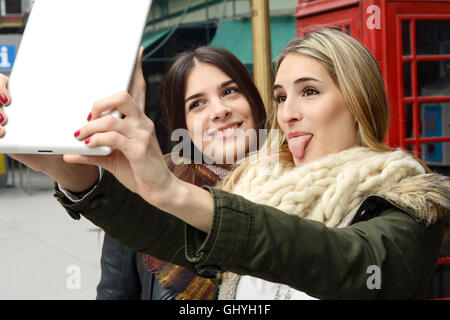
x,y
425,197
385,218
374,205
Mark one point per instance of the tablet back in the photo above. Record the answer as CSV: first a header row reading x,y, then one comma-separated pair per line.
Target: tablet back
x,y
73,52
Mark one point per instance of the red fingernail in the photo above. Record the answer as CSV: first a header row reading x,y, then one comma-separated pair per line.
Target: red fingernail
x,y
2,118
89,117
3,98
87,141
77,133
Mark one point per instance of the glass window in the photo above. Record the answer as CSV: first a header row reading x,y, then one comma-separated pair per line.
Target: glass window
x,y
337,27
432,152
407,79
13,6
410,148
163,5
435,122
433,78
431,36
409,126
347,29
435,119
436,153
406,40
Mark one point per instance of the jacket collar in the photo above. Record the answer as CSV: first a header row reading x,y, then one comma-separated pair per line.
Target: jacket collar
x,y
373,205
425,197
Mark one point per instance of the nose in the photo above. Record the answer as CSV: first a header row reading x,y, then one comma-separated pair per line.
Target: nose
x,y
219,110
289,112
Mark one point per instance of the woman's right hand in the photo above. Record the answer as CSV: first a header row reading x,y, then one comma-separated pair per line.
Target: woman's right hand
x,y
53,165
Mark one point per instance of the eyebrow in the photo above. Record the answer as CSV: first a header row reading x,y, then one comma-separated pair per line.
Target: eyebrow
x,y
299,80
226,83
221,86
194,96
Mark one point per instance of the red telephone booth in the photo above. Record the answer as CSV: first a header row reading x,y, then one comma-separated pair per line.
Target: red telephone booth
x,y
411,42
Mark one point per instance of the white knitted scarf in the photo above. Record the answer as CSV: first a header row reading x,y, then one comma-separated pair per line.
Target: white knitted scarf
x,y
328,190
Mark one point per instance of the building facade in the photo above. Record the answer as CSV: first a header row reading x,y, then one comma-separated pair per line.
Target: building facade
x,y
178,25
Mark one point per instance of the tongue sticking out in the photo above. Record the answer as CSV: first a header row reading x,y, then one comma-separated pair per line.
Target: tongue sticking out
x,y
298,145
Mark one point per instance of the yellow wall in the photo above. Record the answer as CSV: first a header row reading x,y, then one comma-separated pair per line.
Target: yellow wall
x,y
2,164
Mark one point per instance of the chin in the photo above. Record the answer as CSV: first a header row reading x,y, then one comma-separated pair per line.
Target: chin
x,y
307,158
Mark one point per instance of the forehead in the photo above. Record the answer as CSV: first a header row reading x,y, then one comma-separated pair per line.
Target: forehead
x,y
204,76
296,65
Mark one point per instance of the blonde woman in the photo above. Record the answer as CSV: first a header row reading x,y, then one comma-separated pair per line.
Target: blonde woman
x,y
333,213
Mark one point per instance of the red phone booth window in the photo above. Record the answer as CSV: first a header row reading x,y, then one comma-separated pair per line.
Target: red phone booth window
x,y
424,61
411,42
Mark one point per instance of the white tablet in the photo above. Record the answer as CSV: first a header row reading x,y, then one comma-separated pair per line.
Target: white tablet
x,y
72,53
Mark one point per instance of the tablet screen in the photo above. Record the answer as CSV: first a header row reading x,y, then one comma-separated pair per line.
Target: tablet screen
x,y
73,52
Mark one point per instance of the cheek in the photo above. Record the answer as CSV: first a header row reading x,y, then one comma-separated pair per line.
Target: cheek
x,y
196,128
196,121
251,124
190,125
281,124
333,113
337,124
190,131
242,108
283,130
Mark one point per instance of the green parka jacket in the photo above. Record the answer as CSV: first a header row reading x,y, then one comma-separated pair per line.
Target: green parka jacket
x,y
261,241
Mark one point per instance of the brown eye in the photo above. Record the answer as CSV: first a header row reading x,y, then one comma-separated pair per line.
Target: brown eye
x,y
309,92
280,98
229,91
196,104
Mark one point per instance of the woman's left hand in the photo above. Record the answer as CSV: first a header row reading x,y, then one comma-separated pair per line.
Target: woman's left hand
x,y
136,160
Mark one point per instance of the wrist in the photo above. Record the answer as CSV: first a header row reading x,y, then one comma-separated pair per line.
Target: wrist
x,y
74,177
189,203
55,168
173,195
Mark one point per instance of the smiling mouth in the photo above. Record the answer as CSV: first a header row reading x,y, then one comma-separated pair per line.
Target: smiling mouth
x,y
227,131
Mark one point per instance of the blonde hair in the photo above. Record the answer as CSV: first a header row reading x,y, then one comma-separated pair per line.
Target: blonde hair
x,y
356,73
